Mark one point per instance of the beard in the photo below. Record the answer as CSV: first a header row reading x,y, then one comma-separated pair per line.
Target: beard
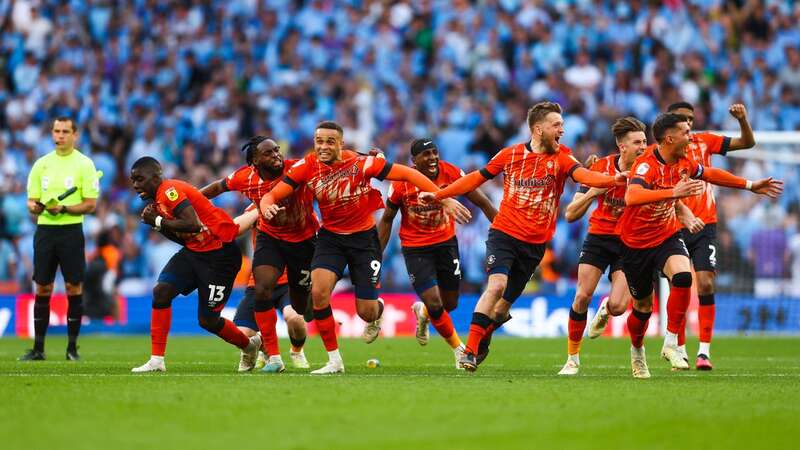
x,y
550,145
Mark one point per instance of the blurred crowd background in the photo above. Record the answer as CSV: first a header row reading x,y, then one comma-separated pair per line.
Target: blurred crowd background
x,y
187,82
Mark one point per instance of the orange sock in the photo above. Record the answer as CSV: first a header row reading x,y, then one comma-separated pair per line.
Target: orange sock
x,y
477,330
160,320
637,327
266,321
706,315
233,335
575,326
677,303
444,326
326,327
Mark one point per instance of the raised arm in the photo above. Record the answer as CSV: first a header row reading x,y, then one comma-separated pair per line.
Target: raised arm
x,y
746,138
214,189
479,199
385,224
581,202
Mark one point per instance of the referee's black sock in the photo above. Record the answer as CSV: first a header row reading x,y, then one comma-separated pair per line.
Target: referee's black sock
x,y
41,320
74,316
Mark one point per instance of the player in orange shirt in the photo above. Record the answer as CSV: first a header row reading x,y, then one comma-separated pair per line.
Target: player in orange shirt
x,y
285,242
208,261
340,182
245,312
602,247
702,246
652,236
429,244
535,173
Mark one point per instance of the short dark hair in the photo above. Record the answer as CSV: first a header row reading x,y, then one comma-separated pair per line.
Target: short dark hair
x,y
146,162
66,119
625,125
666,122
330,125
680,105
539,111
250,147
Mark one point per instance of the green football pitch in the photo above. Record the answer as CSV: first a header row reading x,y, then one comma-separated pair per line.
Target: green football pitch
x,y
415,400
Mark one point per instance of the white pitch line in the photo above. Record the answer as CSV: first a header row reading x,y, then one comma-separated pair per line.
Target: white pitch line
x,y
378,375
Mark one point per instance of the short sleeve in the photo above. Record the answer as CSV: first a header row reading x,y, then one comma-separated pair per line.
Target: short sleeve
x,y
396,193
453,173
35,181
641,174
233,182
376,167
172,197
90,182
696,169
496,164
715,144
298,173
568,163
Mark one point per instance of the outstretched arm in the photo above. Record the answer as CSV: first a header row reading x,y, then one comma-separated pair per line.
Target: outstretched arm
x,y
246,220
269,202
766,186
596,179
467,183
746,138
639,194
399,172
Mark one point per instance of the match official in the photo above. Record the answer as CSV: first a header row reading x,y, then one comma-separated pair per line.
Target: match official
x,y
63,185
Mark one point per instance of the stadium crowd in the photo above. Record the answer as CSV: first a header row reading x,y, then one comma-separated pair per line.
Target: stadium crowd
x,y
189,82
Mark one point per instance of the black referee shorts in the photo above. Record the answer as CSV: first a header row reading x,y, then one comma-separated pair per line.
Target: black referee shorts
x,y
59,245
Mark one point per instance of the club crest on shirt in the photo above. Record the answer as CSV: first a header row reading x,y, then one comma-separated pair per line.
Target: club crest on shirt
x,y
549,164
172,194
642,169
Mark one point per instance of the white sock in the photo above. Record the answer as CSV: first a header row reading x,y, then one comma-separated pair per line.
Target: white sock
x,y
637,351
334,355
682,348
670,339
275,358
157,358
705,349
575,358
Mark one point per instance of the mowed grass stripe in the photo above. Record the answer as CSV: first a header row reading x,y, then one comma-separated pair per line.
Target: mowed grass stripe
x,y
416,400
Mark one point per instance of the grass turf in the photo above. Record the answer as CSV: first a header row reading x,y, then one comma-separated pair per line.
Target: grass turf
x,y
416,400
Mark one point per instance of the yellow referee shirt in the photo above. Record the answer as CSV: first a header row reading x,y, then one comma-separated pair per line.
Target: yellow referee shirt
x,y
52,175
